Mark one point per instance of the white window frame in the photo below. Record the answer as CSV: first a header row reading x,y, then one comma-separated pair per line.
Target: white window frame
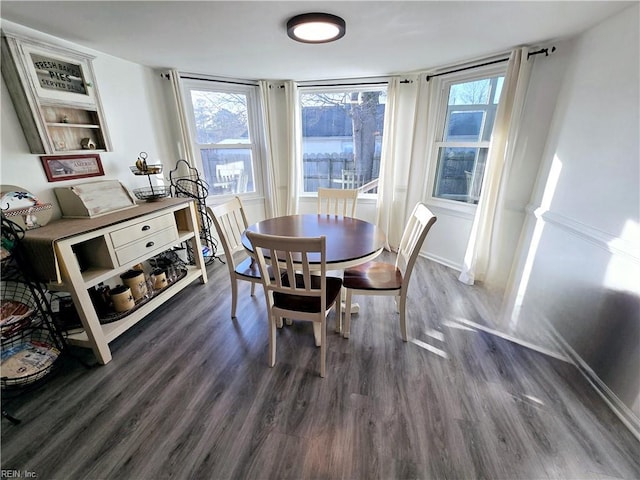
x,y
256,143
347,88
441,86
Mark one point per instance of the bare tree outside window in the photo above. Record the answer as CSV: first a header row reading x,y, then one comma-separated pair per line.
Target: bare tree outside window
x,y
222,132
341,134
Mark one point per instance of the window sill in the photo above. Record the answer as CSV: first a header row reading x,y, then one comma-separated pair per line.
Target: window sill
x,y
452,207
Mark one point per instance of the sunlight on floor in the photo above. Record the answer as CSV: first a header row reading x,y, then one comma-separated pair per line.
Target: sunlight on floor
x,y
429,348
459,326
534,399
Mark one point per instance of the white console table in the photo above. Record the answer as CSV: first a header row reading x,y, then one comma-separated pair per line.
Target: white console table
x,y
74,255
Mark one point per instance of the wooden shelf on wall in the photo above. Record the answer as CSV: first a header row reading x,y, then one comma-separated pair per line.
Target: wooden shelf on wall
x,y
55,96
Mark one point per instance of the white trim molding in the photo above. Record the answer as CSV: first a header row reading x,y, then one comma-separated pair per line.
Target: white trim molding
x,y
611,243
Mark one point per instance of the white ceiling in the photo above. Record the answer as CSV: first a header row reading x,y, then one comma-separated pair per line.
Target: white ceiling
x,y
248,39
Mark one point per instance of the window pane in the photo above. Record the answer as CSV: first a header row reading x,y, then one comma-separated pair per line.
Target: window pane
x,y
468,120
470,93
498,90
220,117
460,172
341,137
228,171
465,125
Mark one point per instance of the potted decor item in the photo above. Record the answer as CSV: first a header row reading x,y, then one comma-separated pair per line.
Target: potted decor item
x,y
122,298
134,279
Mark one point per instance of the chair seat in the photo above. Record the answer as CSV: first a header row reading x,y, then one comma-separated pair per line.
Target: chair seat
x,y
373,276
306,304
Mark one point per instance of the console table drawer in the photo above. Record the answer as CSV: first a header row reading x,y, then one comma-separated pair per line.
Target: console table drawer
x,y
159,240
141,230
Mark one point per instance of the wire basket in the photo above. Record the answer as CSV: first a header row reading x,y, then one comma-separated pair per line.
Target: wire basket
x,y
151,170
28,357
18,307
152,193
28,346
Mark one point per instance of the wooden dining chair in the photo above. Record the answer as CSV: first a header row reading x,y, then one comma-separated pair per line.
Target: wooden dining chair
x,y
230,221
379,278
299,288
337,201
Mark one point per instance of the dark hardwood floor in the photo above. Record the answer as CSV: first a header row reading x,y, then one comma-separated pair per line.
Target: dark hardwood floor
x,y
189,395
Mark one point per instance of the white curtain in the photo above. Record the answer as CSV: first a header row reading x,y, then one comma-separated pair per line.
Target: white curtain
x,y
487,221
387,177
294,150
271,187
422,137
185,147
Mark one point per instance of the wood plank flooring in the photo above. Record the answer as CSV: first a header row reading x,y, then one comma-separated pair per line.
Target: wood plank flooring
x,y
189,395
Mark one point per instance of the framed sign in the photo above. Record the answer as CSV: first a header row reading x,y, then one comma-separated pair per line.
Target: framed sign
x,y
59,74
56,74
69,167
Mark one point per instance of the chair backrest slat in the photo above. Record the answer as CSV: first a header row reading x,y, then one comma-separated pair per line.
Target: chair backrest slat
x,y
230,221
415,232
334,201
294,261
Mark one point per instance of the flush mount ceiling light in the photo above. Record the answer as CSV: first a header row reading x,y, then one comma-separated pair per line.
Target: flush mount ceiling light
x,y
316,28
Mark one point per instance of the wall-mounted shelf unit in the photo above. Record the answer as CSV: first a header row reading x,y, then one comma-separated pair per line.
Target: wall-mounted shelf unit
x,y
55,96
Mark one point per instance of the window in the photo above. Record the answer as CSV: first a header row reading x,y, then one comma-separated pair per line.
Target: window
x,y
224,126
462,143
342,131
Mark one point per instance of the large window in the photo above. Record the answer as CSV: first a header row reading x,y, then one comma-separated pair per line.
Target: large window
x,y
463,140
224,128
341,136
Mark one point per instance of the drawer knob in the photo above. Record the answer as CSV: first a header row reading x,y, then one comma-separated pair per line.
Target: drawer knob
x,y
150,244
145,228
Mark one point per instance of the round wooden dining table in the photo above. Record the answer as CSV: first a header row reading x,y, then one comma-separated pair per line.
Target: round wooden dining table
x,y
350,241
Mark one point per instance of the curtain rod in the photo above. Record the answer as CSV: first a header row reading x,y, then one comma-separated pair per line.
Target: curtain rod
x,y
542,50
529,55
167,76
406,80
344,84
429,77
233,82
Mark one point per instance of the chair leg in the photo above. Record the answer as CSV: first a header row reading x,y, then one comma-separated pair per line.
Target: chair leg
x,y
253,289
317,334
346,327
403,319
234,297
396,300
323,349
339,302
272,341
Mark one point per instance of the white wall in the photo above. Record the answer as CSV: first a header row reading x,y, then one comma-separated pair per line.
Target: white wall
x,y
579,271
135,110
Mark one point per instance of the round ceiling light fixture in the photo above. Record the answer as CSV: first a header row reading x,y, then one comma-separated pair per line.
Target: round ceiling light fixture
x,y
316,28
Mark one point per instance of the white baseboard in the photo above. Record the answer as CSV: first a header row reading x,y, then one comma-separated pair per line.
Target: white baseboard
x,y
623,412
443,261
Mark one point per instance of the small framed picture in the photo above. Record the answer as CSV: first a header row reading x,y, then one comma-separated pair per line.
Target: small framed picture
x,y
69,167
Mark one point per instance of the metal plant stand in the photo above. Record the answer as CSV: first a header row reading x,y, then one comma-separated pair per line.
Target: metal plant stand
x,y
186,182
